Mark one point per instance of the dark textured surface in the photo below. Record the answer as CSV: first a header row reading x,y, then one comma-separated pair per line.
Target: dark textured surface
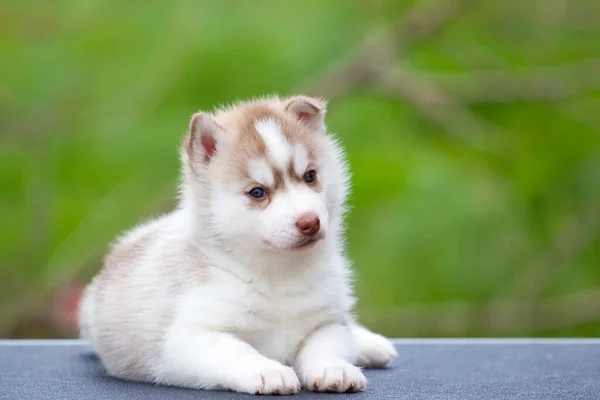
x,y
426,369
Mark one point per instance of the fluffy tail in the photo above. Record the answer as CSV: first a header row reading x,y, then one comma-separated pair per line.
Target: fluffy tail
x,y
86,309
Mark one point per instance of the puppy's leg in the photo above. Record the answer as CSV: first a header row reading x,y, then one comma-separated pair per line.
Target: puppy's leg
x,y
214,360
324,363
372,350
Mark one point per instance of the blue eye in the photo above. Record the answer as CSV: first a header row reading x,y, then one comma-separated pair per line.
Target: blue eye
x,y
257,193
310,176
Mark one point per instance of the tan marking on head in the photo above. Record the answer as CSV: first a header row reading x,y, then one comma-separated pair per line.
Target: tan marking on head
x,y
243,143
279,183
294,176
246,144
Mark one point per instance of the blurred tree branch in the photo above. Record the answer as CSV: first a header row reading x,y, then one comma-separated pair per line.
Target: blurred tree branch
x,y
372,62
440,97
527,84
379,52
434,104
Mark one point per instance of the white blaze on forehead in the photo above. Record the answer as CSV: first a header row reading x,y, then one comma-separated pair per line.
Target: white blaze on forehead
x,y
300,159
261,172
277,145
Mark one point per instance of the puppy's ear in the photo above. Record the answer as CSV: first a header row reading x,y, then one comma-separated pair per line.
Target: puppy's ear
x,y
309,110
202,140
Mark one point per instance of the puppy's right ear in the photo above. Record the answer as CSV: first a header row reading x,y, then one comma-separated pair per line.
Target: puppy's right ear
x,y
202,139
309,110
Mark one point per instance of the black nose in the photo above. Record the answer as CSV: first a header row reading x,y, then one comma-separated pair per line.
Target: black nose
x,y
308,224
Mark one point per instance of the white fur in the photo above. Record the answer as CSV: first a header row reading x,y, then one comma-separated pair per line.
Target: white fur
x,y
300,159
279,148
210,296
261,172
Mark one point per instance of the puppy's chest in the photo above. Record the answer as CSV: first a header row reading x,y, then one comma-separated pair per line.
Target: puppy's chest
x,y
276,325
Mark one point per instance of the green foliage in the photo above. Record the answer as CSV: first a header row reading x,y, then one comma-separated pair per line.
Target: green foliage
x,y
96,95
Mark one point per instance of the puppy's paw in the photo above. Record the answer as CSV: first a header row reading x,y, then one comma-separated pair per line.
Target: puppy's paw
x,y
373,350
334,377
272,378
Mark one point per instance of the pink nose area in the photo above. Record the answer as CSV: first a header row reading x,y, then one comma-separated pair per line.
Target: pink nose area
x,y
308,224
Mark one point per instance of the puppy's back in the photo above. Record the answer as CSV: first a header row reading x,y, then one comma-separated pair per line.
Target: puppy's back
x,y
124,298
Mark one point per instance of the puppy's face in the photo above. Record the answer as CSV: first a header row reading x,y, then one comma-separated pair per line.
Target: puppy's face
x,y
269,172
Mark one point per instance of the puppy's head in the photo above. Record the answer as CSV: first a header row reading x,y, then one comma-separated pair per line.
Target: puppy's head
x,y
265,175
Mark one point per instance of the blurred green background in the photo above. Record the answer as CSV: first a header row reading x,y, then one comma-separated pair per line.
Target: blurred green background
x,y
472,130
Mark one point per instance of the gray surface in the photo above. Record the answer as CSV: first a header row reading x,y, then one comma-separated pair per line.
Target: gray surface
x,y
426,369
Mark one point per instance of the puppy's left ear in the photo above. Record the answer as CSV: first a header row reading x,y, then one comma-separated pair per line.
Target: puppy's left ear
x,y
309,110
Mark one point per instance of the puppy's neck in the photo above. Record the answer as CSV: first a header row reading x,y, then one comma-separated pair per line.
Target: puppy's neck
x,y
266,272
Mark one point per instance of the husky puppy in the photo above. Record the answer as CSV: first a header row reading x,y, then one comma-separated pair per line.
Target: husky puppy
x,y
244,286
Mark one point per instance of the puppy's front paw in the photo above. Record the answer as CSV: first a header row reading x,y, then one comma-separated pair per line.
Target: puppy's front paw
x,y
373,350
335,377
273,378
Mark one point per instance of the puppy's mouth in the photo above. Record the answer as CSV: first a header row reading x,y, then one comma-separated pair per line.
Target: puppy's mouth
x,y
305,244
